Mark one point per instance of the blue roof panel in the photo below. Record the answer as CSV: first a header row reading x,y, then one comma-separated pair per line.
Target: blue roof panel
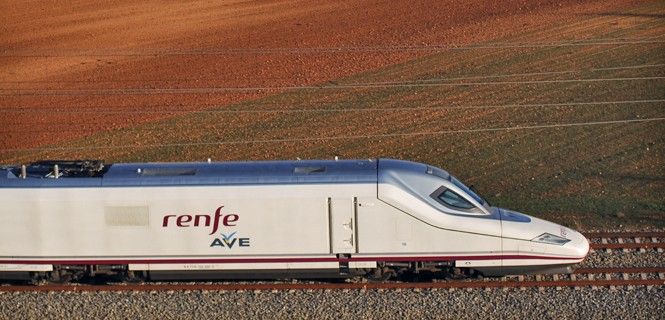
x,y
218,173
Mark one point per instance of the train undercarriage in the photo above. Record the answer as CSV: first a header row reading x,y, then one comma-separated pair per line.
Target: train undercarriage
x,y
402,271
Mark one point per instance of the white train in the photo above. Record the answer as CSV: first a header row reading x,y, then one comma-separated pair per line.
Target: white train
x,y
69,219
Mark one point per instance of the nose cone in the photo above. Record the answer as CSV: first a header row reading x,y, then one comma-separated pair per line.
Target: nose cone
x,y
579,244
520,226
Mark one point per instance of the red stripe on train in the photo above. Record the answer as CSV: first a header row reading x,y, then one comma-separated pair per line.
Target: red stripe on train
x,y
286,260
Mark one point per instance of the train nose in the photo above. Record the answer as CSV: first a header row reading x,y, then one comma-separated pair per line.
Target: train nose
x,y
579,244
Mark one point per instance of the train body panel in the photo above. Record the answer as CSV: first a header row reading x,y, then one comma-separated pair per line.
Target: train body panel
x,y
398,232
281,215
168,221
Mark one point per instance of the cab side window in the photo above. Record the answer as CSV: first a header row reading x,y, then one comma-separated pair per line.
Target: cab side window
x,y
453,199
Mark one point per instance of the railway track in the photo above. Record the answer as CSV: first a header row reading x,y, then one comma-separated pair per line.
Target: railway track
x,y
627,240
584,277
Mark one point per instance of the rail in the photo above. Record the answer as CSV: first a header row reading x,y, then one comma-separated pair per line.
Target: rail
x,y
629,277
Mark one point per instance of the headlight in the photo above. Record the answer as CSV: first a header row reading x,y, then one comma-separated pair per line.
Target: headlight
x,y
550,238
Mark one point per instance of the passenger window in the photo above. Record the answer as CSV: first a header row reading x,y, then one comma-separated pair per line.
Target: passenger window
x,y
454,200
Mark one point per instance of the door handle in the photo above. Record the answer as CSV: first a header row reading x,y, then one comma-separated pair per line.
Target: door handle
x,y
349,225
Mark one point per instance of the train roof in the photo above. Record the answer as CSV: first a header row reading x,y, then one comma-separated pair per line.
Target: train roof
x,y
92,173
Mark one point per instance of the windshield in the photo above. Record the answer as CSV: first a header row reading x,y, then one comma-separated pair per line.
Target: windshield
x,y
466,189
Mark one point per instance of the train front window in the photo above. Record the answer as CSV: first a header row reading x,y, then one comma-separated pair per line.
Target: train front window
x,y
454,200
468,191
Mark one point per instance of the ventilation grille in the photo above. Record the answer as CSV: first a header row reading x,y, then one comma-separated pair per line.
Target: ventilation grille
x,y
162,172
308,170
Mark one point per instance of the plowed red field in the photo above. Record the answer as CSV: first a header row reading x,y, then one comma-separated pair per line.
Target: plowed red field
x,y
84,46
553,108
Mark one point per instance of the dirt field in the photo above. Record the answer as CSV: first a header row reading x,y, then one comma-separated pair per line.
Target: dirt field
x,y
81,46
267,80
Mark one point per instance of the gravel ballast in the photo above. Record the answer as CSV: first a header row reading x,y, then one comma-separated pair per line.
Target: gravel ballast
x,y
621,259
567,303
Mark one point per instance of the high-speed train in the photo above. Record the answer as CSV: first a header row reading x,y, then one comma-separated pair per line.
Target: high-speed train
x,y
62,220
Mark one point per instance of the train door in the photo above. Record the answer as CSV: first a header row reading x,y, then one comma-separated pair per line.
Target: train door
x,y
342,223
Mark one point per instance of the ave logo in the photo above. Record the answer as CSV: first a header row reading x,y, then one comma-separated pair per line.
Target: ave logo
x,y
229,241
